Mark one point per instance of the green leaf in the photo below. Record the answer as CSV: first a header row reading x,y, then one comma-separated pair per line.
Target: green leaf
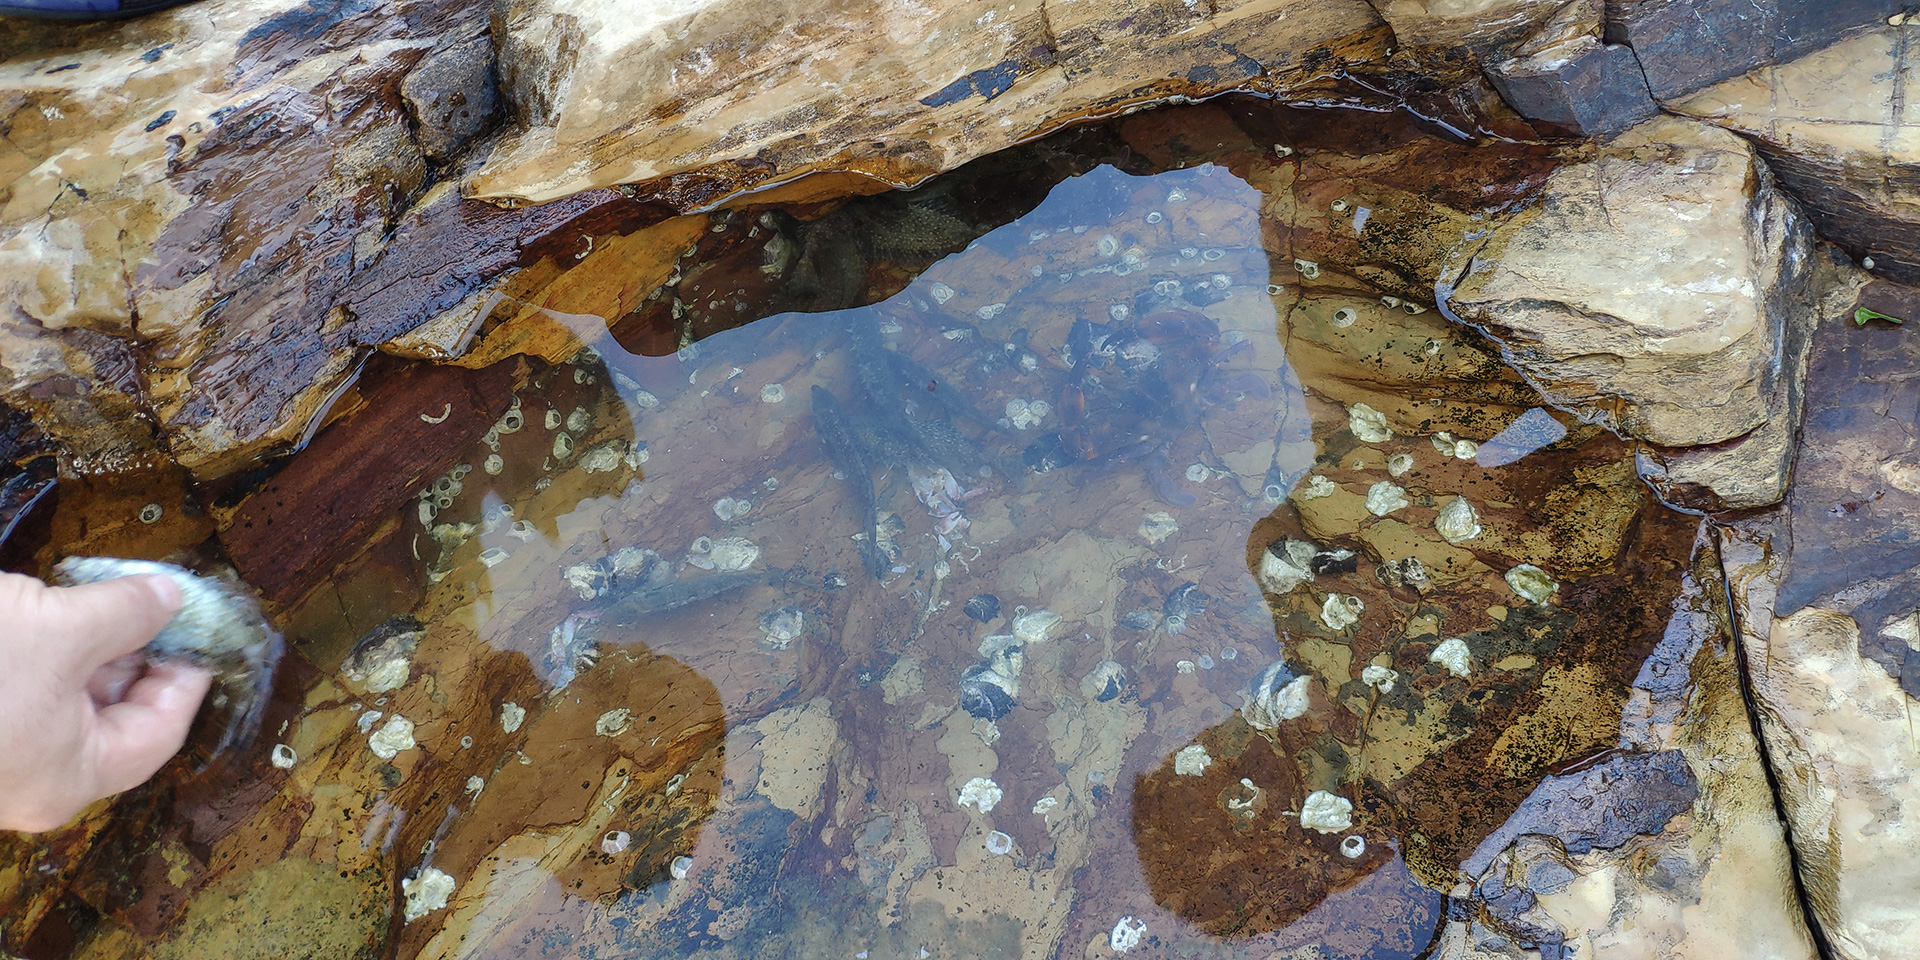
x,y
1862,315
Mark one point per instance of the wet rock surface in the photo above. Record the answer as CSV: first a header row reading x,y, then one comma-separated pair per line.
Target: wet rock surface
x,y
1670,206
896,93
1822,586
1308,628
1832,126
1210,590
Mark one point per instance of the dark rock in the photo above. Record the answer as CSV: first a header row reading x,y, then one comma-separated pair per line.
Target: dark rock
x,y
452,96
1685,45
1600,807
1588,88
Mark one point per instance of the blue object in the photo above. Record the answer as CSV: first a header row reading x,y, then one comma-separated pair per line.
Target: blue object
x,y
83,9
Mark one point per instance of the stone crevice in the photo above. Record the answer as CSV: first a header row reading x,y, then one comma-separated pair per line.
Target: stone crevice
x,y
1754,707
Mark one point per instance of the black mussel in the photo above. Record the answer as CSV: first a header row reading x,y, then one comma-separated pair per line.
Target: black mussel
x,y
983,607
1185,601
982,693
1046,453
1335,560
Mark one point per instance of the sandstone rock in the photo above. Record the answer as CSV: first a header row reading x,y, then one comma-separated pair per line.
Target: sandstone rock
x,y
1836,723
1833,125
1478,24
1645,288
1687,792
1824,590
1688,44
232,197
1752,470
703,100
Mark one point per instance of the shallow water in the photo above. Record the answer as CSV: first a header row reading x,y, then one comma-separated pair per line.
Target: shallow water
x,y
675,686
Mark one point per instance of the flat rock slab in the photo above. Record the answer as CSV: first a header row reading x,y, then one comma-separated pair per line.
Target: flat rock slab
x,y
702,100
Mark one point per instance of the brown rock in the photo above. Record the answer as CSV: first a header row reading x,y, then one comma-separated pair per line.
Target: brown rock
x,y
1833,126
714,98
1644,288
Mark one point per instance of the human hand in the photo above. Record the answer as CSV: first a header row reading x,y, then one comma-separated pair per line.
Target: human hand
x,y
81,714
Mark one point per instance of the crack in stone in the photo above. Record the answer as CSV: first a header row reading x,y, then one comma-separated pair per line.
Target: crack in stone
x,y
1736,636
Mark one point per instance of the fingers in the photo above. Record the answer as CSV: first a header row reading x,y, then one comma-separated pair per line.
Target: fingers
x,y
134,738
113,617
109,684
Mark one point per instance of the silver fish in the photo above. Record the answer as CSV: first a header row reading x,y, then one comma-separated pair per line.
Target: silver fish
x,y
219,626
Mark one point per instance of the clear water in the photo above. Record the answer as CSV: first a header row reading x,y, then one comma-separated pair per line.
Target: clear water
x,y
674,686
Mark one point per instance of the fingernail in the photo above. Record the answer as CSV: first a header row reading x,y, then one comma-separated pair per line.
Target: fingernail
x,y
166,591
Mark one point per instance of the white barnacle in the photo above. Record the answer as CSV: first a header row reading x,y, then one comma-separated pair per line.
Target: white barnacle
x,y
1307,269
1457,522
614,722
1340,611
1399,464
1452,653
998,844
604,456
1191,761
388,741
940,292
1284,566
1156,527
1378,677
284,757
1316,487
1353,847
615,841
1276,696
1385,497
733,553
1368,424
773,393
1326,812
1035,626
680,867
425,892
1532,583
980,793
1345,317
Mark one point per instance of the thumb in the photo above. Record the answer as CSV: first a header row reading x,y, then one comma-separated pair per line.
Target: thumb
x,y
134,738
104,620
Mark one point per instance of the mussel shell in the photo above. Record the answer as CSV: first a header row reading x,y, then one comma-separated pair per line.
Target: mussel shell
x,y
1186,600
982,697
1335,560
1138,619
983,607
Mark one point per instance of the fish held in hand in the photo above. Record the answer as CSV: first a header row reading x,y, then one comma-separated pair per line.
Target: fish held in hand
x,y
219,626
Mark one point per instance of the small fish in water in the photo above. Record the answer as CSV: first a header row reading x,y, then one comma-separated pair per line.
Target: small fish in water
x,y
219,627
